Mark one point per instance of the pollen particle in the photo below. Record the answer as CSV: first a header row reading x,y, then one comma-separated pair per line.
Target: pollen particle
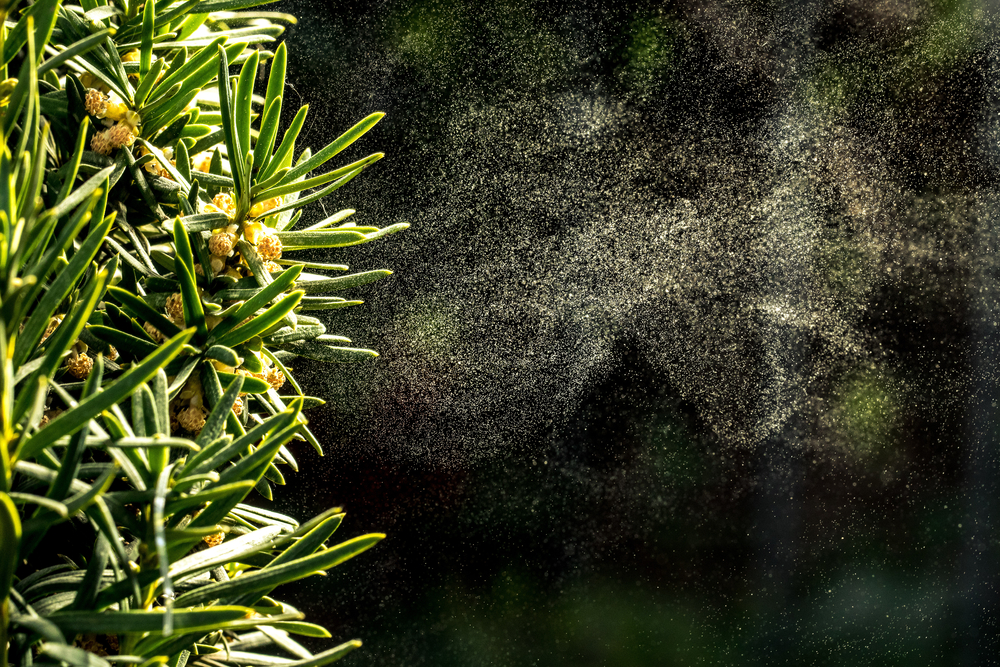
x,y
275,378
120,135
214,540
192,419
175,309
224,203
95,103
269,247
99,143
221,244
153,332
79,366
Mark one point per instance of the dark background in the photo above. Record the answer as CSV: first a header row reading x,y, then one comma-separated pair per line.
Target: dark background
x,y
688,355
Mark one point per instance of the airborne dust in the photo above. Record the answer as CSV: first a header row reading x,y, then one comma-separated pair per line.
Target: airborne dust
x,y
691,324
691,184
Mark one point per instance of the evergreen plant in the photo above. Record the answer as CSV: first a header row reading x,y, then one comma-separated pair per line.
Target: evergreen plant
x,y
155,289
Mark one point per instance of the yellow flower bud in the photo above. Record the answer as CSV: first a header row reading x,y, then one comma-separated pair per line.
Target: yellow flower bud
x,y
252,231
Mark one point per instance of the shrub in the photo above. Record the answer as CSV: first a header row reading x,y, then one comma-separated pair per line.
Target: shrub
x,y
153,295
